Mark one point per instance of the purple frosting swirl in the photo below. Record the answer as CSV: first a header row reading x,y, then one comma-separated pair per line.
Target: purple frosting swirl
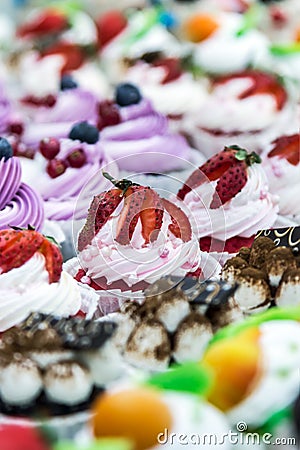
x,y
25,208
10,180
143,142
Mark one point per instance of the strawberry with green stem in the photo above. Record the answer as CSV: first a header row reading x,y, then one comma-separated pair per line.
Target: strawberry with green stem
x,y
287,147
229,167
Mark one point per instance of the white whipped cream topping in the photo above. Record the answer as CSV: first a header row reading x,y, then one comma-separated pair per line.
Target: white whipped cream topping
x,y
252,209
284,181
279,383
225,111
224,51
26,289
176,97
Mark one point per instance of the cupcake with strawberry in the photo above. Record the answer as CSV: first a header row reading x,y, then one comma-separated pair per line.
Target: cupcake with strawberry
x,y
281,161
250,108
229,199
20,204
131,238
32,279
61,169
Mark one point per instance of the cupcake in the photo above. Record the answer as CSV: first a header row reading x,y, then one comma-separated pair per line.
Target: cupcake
x,y
249,107
54,367
282,166
20,204
229,199
131,238
61,170
138,137
265,349
32,279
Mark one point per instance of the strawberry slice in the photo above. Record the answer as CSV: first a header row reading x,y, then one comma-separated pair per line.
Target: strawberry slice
x,y
172,67
16,437
211,170
287,147
134,199
262,83
102,207
151,216
46,22
54,260
180,226
74,56
109,25
17,247
230,184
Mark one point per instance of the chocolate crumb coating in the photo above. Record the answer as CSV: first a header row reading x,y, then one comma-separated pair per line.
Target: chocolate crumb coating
x,y
254,289
288,292
252,274
244,253
223,314
232,268
261,247
277,261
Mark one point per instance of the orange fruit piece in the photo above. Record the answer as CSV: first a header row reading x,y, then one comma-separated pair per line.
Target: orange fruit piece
x,y
235,362
138,414
200,27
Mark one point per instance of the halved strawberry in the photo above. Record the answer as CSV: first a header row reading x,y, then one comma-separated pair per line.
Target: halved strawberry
x,y
46,22
74,56
54,260
102,207
262,83
180,227
211,170
134,199
151,216
230,184
287,147
17,247
172,67
109,25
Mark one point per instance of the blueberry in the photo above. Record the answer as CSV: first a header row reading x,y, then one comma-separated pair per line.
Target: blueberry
x,y
84,132
127,94
6,150
67,82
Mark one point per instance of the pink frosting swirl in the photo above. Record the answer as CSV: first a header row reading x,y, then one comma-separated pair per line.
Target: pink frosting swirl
x,y
5,110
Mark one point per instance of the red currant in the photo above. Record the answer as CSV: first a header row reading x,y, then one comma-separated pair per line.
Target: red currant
x,y
49,147
77,158
56,167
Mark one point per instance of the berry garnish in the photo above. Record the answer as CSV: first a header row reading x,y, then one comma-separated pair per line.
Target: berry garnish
x,y
73,55
229,167
262,83
17,246
287,147
200,27
172,67
48,101
139,203
67,82
56,167
6,150
16,437
46,22
77,158
109,25
16,127
127,94
84,132
108,114
49,147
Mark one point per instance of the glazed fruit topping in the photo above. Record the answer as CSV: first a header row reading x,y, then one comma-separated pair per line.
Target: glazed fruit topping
x,y
84,132
287,147
67,82
49,147
127,94
46,22
108,114
262,83
56,167
77,158
6,150
139,203
200,27
73,55
17,246
172,67
229,167
109,25
47,101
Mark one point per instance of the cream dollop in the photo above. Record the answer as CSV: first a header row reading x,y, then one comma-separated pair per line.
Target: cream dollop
x,y
26,289
252,209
